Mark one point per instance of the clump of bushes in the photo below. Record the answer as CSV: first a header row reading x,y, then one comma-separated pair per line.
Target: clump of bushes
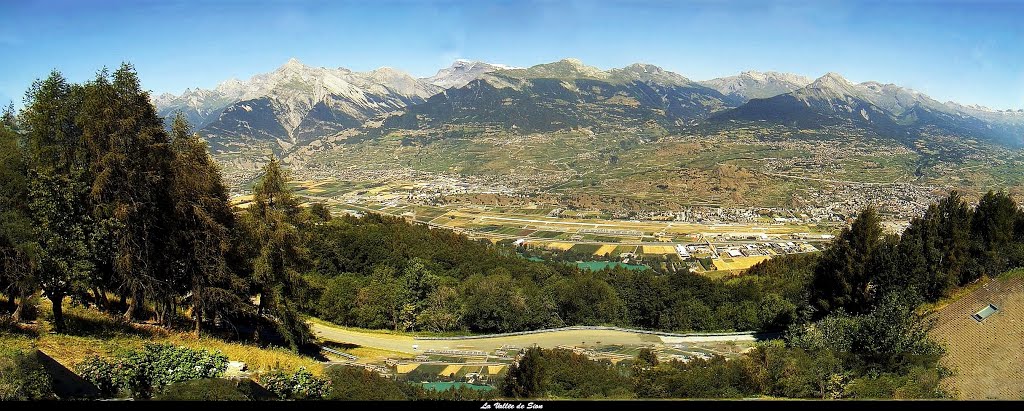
x,y
301,385
359,384
140,373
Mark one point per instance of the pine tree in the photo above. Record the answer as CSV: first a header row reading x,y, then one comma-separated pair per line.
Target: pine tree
x,y
130,191
992,229
202,230
17,242
61,220
57,189
276,253
843,277
934,249
525,378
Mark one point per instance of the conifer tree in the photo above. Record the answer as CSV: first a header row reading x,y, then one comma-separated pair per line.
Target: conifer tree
x,y
992,229
276,253
130,192
843,278
202,230
17,245
57,190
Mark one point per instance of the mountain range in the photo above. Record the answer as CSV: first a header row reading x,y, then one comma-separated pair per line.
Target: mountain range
x,y
297,104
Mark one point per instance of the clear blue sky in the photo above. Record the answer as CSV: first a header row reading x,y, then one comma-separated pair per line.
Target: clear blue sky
x,y
970,52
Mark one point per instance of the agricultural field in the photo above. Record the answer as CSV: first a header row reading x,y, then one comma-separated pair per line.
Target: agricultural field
x,y
738,263
775,167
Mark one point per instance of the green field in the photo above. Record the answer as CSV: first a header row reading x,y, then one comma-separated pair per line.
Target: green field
x,y
600,265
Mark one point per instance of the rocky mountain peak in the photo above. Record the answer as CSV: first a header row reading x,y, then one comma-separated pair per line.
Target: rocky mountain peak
x,y
831,80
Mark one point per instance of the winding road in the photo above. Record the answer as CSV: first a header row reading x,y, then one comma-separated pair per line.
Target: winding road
x,y
544,339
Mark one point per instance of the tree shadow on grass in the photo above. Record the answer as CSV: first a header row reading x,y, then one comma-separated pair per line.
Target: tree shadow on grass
x,y
91,323
9,326
66,384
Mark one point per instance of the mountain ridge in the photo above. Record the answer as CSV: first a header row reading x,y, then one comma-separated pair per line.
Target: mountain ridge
x,y
296,104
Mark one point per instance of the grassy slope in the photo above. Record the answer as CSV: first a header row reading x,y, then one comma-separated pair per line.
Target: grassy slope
x,y
985,357
93,333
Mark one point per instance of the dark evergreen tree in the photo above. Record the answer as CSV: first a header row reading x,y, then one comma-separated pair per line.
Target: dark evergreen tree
x,y
61,221
17,242
934,249
525,378
57,190
992,229
843,278
131,190
201,235
276,254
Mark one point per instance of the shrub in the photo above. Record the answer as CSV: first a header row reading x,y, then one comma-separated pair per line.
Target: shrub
x,y
353,383
138,373
100,373
300,386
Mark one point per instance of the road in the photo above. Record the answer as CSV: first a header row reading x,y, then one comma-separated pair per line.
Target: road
x,y
550,339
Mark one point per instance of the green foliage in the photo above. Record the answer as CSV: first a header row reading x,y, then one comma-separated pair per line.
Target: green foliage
x,y
585,300
139,373
18,252
203,221
301,385
495,303
380,272
62,229
525,378
698,378
646,358
360,384
843,276
950,245
933,250
889,338
100,199
561,373
992,229
23,378
129,170
100,373
920,382
274,252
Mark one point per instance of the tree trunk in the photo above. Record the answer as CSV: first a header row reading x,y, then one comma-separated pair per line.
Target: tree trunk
x,y
158,310
101,299
199,319
20,307
129,314
169,316
58,312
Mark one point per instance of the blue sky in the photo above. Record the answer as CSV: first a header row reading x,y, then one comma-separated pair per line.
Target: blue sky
x,y
970,52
